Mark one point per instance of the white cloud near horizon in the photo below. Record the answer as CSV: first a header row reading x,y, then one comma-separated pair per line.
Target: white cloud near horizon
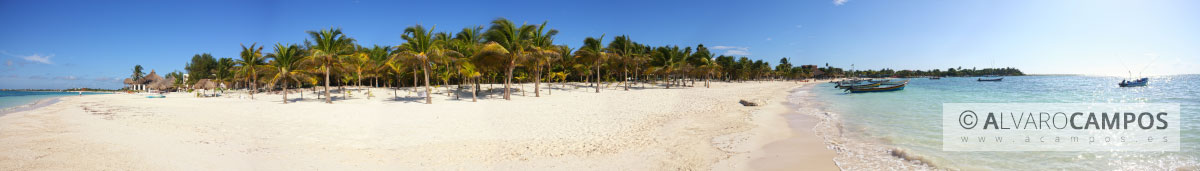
x,y
36,58
67,78
39,58
840,2
733,50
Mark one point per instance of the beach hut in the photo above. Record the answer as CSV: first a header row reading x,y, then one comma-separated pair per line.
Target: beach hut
x,y
205,84
130,84
163,84
143,84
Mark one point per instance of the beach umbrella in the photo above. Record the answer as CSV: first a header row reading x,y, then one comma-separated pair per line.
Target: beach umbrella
x,y
205,84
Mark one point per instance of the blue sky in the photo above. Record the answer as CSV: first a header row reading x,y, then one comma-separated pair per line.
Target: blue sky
x,y
64,44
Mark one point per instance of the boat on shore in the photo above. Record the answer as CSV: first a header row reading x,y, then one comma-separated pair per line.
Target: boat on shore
x,y
878,88
1134,83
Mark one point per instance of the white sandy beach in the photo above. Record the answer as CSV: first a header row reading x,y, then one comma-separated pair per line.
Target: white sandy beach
x,y
693,128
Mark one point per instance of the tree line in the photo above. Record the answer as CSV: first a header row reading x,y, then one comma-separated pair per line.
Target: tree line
x,y
501,53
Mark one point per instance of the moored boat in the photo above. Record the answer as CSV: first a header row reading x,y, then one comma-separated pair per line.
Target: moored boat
x,y
859,85
879,89
1134,83
894,82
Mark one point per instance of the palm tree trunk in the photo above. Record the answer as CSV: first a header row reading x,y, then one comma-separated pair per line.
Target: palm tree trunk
x,y
328,99
414,81
597,78
458,89
508,78
396,92
285,92
537,80
669,80
428,96
358,78
474,89
253,85
624,78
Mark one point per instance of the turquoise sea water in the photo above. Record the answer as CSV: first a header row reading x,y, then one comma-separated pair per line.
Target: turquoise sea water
x,y
9,99
910,119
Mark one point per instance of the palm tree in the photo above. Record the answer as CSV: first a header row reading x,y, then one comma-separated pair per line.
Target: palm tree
x,y
673,60
472,74
225,71
594,53
252,59
398,66
514,41
420,46
378,56
564,55
544,51
624,49
137,72
709,67
468,42
331,44
358,62
286,61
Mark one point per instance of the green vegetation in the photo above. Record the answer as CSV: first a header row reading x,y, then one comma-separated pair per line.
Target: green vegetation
x,y
504,53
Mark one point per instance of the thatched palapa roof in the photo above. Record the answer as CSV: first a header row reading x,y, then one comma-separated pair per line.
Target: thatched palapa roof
x,y
163,84
149,78
207,84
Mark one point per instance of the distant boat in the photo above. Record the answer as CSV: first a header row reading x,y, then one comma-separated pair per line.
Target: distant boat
x,y
1135,83
990,79
878,89
935,78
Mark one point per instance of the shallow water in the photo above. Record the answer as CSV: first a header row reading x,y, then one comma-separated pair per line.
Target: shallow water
x,y
9,99
910,119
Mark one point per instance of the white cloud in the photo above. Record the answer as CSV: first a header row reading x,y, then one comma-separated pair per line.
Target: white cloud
x,y
66,78
799,26
768,39
733,50
839,2
39,58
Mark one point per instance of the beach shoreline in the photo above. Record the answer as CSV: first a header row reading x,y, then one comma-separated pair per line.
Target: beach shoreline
x,y
800,147
574,128
30,106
